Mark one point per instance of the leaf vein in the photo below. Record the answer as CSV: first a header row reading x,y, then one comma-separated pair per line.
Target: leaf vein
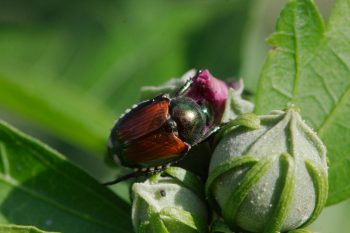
x,y
49,165
342,125
341,60
332,113
78,184
325,85
286,50
296,58
4,159
281,91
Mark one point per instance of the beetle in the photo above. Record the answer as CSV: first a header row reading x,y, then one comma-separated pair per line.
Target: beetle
x,y
158,132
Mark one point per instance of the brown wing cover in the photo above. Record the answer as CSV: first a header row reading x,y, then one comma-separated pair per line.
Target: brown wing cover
x,y
155,146
145,118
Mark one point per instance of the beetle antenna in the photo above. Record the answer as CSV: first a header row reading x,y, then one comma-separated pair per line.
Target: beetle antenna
x,y
127,176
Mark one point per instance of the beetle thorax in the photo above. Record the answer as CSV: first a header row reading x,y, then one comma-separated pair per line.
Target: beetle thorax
x,y
189,118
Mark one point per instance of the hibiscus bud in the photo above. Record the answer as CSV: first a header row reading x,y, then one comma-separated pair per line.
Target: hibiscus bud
x,y
270,179
169,202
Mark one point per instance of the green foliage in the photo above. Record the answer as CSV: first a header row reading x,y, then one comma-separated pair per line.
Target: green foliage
x,y
309,66
39,187
72,67
20,229
60,110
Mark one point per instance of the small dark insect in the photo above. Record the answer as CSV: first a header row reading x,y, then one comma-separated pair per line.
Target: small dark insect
x,y
160,131
162,193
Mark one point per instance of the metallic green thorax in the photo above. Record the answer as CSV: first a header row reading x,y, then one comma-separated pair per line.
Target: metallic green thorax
x,y
190,119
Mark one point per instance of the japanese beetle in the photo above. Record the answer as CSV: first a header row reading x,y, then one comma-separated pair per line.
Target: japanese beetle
x,y
160,131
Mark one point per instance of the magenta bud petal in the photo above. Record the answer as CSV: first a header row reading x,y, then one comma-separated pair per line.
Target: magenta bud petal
x,y
214,91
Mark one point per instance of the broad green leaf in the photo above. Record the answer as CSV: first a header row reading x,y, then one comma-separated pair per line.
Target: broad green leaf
x,y
333,219
20,229
39,187
309,66
61,109
260,24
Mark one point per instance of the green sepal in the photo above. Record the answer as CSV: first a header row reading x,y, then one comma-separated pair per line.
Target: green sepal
x,y
219,226
238,195
248,120
187,178
227,166
183,217
156,223
145,227
281,209
320,180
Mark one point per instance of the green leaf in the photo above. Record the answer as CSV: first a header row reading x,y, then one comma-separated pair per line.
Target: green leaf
x,y
178,217
61,109
309,66
20,229
39,187
156,223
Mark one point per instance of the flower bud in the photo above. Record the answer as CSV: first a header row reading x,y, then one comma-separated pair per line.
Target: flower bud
x,y
270,179
169,202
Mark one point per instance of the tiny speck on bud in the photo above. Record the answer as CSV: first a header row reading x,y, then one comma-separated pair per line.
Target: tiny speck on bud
x,y
162,193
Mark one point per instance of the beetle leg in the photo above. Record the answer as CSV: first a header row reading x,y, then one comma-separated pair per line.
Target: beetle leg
x,y
209,133
187,85
127,176
138,173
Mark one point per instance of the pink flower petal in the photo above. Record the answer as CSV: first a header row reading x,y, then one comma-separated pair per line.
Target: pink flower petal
x,y
214,91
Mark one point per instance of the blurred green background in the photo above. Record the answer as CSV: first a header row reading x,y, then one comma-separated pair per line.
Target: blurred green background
x,y
69,68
